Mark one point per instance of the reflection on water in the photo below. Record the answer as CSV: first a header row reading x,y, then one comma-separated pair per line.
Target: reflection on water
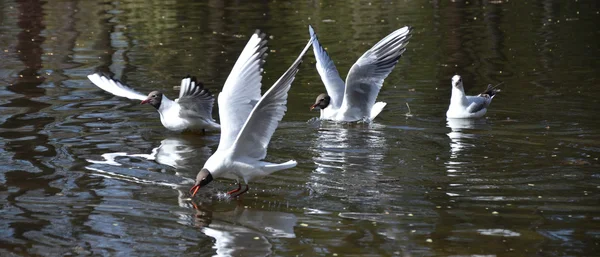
x,y
86,173
240,231
179,153
244,231
461,136
338,149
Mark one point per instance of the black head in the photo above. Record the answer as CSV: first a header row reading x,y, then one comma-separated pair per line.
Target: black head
x,y
322,102
202,179
154,99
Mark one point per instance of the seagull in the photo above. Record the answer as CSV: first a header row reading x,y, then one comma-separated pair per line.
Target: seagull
x,y
464,106
355,99
192,111
248,120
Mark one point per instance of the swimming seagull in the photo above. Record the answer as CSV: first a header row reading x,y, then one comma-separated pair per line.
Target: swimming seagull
x,y
248,120
464,106
355,99
191,111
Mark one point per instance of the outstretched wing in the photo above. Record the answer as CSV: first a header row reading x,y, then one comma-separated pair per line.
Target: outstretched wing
x,y
329,74
194,99
254,137
366,76
241,90
115,87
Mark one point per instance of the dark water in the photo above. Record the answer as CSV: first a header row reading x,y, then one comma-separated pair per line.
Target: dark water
x,y
86,173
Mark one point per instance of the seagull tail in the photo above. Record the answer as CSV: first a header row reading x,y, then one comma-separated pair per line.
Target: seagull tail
x,y
492,90
269,168
377,108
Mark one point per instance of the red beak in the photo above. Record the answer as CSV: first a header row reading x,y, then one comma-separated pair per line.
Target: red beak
x,y
145,101
194,190
313,106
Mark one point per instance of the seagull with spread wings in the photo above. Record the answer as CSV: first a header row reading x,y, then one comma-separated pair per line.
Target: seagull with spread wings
x,y
191,111
248,120
354,100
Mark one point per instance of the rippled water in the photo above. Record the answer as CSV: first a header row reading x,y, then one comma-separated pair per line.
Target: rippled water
x,y
86,173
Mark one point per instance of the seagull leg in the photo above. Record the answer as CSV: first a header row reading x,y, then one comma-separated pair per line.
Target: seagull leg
x,y
235,190
241,192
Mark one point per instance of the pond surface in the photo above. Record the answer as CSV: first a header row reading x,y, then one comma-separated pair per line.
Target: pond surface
x,y
87,173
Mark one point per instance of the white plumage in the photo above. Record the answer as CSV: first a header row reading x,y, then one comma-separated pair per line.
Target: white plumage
x,y
355,99
191,111
463,106
248,120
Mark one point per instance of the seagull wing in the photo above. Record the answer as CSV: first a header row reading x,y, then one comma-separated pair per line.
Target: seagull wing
x,y
115,87
241,91
366,76
195,100
478,103
254,137
329,74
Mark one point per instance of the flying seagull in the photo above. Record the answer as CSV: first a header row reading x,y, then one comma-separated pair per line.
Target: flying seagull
x,y
465,106
191,111
355,99
248,120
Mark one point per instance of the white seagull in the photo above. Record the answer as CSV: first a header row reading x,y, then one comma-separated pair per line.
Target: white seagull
x,y
248,120
192,111
355,99
464,106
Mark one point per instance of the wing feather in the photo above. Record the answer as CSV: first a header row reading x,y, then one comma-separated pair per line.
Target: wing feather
x,y
241,90
478,103
115,87
194,99
254,137
483,100
329,74
366,76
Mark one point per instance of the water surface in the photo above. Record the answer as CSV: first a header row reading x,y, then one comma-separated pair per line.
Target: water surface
x,y
87,173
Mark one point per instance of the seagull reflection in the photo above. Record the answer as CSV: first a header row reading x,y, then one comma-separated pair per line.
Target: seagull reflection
x,y
341,148
330,144
460,138
180,152
243,231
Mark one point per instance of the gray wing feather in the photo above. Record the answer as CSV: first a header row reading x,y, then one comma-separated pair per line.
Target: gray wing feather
x,y
366,76
478,103
195,100
483,100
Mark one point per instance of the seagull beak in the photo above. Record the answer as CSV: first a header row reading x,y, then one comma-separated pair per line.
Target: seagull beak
x,y
145,101
194,190
313,107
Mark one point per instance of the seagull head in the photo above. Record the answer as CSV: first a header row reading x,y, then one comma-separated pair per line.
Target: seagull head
x,y
154,99
202,179
457,82
321,103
